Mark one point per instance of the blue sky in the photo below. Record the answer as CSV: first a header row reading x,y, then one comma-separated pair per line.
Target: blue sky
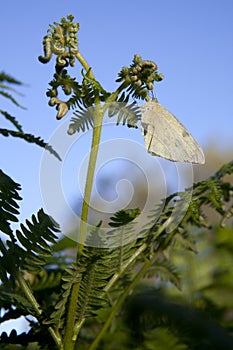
x,y
191,42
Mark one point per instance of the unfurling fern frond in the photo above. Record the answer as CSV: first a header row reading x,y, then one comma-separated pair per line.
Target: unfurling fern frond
x,y
139,78
69,85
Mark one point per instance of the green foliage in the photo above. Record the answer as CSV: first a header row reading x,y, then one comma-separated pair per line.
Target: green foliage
x,y
9,207
84,296
126,113
123,217
102,274
82,120
35,238
62,40
29,138
136,81
5,80
149,312
19,130
139,77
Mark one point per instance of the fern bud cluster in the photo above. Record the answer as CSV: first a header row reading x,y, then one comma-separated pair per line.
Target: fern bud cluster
x,y
137,80
61,40
140,76
69,86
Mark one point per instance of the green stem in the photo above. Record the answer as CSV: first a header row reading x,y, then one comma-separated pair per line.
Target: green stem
x,y
85,65
119,303
69,340
71,316
118,274
28,293
71,331
98,117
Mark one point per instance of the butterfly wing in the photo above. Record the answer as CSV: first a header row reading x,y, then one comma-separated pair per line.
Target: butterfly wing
x,y
166,137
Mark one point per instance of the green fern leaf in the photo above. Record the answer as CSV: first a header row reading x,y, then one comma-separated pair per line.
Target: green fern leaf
x,y
165,271
82,120
123,98
70,87
182,238
11,98
129,114
8,205
9,79
9,298
47,279
226,169
95,86
23,339
123,217
3,87
12,120
30,138
35,241
72,276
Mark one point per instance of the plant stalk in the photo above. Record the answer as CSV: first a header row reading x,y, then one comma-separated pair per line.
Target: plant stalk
x,y
71,331
98,118
36,306
119,303
70,335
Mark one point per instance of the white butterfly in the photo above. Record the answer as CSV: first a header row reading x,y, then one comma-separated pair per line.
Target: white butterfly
x,y
166,137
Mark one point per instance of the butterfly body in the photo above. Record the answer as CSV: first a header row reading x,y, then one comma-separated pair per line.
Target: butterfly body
x,y
166,137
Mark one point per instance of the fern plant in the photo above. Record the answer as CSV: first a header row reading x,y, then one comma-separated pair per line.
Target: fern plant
x,y
77,291
7,91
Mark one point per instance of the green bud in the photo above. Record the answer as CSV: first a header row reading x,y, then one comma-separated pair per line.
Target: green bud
x,y
138,83
62,110
134,78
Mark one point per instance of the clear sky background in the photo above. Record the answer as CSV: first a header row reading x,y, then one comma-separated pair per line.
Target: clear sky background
x,y
191,42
